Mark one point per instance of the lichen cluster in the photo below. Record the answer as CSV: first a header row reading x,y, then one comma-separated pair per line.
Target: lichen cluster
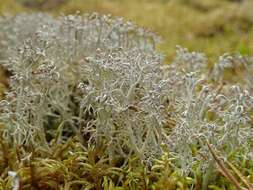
x,y
92,105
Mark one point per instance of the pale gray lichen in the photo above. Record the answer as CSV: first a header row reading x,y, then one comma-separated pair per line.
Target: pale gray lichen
x,y
102,80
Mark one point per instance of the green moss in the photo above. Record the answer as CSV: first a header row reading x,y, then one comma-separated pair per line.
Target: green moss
x,y
10,6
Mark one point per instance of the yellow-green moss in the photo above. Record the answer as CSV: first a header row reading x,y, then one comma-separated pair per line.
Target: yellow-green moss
x,y
10,6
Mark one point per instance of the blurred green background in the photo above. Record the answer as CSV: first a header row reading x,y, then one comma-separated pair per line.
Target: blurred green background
x,y
210,26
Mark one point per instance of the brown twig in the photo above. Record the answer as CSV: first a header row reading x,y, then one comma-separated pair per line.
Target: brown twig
x,y
240,175
225,171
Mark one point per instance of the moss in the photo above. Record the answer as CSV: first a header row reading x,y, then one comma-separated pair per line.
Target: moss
x,y
10,6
